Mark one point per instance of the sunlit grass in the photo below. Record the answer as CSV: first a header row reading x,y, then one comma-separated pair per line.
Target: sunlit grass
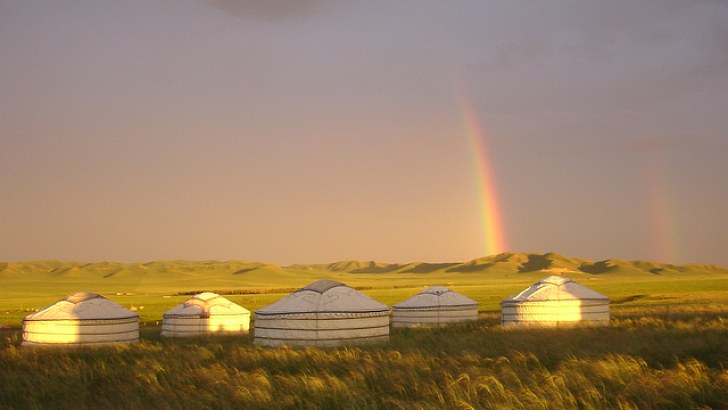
x,y
665,348
664,358
625,292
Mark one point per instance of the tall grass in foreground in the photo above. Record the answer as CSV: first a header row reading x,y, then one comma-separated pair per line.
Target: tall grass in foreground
x,y
670,360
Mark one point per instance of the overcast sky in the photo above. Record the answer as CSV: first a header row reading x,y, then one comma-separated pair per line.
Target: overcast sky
x,y
290,131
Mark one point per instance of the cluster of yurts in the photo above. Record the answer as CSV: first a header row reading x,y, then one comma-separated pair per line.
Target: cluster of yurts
x,y
324,313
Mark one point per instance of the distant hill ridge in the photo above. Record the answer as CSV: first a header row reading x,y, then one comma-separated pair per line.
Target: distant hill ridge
x,y
503,263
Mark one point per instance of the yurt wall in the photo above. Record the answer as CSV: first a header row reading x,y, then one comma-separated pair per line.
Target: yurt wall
x,y
205,314
556,301
324,313
434,306
79,319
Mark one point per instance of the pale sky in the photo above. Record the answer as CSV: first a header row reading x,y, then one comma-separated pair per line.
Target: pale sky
x,y
290,131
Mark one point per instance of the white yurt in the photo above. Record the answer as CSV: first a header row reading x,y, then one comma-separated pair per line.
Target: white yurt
x,y
434,306
82,318
324,313
556,301
205,314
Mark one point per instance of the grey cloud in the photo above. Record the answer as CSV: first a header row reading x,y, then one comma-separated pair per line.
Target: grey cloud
x,y
642,145
268,10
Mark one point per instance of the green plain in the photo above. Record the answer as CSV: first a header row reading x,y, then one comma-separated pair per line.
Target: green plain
x,y
666,346
155,287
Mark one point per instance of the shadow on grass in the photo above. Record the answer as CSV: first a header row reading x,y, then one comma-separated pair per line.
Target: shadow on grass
x,y
429,267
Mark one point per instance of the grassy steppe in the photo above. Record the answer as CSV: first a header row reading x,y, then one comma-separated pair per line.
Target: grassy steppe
x,y
665,358
667,346
157,286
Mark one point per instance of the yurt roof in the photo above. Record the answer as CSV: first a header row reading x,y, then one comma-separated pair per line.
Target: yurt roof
x,y
82,306
436,296
207,303
322,285
555,288
324,296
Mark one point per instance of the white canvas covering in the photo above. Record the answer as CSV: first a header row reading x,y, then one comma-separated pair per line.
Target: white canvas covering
x,y
556,301
205,314
79,319
434,306
324,313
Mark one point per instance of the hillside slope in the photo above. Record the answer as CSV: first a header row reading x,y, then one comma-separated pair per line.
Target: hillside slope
x,y
519,263
167,277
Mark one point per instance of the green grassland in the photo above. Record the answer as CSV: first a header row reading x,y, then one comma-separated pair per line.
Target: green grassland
x,y
154,287
666,348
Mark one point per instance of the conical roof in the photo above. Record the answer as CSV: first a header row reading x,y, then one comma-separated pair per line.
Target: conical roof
x,y
324,296
82,306
436,296
206,304
321,286
555,288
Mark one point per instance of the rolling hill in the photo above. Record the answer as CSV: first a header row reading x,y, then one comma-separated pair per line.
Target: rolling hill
x,y
155,286
177,275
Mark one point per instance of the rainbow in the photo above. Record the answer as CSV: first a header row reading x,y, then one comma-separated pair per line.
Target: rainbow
x,y
490,217
660,213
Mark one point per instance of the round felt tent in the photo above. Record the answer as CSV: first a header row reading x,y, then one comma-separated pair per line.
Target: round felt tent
x,y
556,301
82,318
434,306
324,313
205,314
